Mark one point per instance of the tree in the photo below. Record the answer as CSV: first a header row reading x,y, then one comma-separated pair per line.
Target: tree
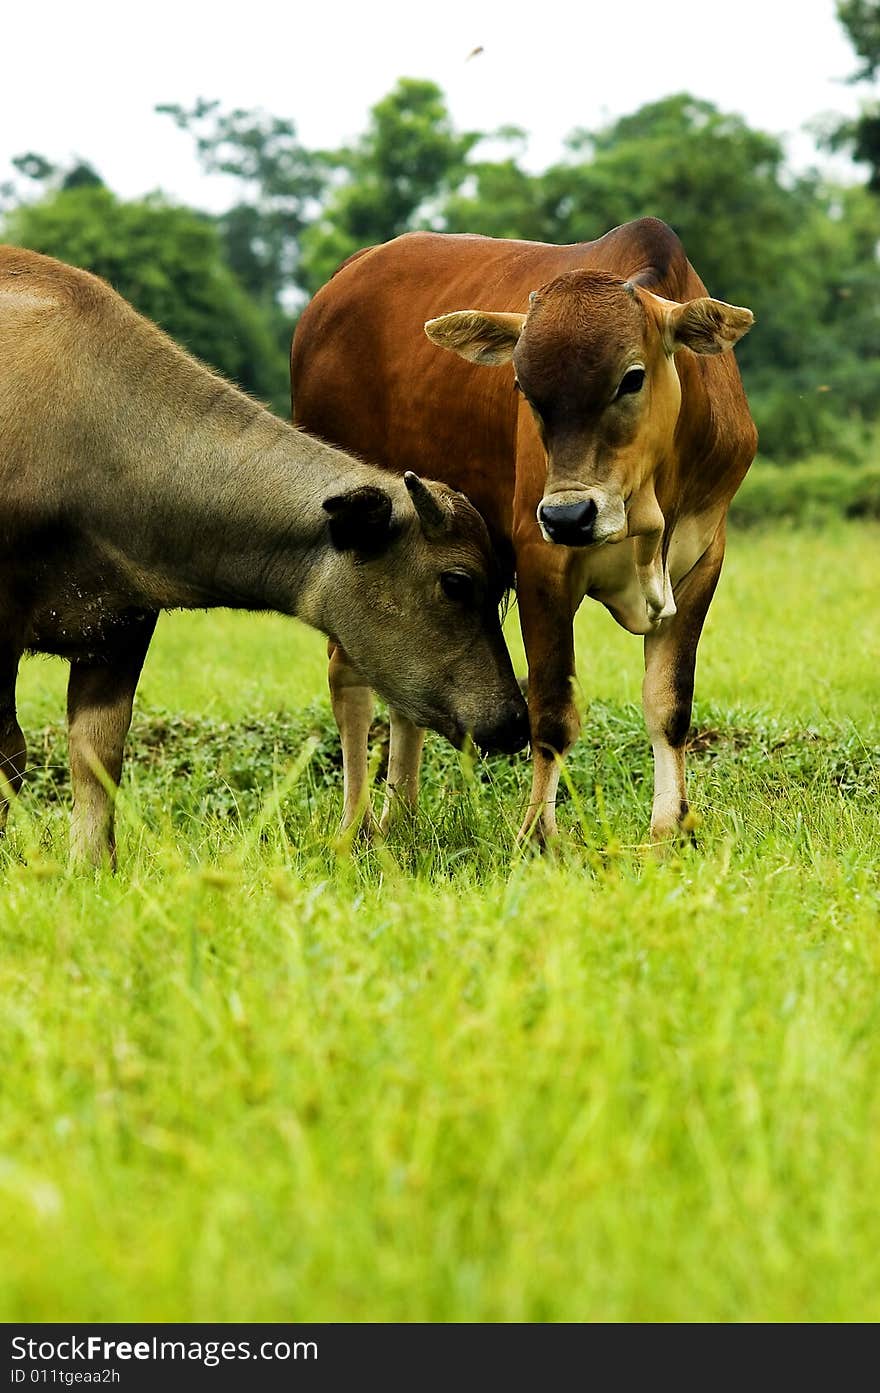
x,y
168,261
280,182
396,177
47,176
800,254
861,20
501,199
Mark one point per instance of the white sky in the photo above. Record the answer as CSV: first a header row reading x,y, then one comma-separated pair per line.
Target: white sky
x,y
81,79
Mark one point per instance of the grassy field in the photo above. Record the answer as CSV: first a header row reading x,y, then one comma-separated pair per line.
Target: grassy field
x,y
246,1079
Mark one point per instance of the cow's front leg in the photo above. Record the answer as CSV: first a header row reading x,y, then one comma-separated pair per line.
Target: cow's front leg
x,y
404,761
546,610
99,704
352,702
13,749
668,691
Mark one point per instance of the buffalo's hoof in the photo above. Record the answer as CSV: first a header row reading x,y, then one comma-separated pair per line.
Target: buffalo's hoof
x,y
361,831
538,834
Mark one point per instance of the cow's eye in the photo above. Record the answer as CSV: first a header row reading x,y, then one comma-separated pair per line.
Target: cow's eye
x,y
457,586
633,380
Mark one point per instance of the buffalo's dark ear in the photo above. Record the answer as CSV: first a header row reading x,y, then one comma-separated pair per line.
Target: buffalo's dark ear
x,y
360,520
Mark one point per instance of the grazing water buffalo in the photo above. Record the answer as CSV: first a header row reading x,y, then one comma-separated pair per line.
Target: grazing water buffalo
x,y
603,452
133,479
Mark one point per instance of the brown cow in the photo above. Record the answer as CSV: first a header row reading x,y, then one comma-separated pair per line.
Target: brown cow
x,y
133,479
623,445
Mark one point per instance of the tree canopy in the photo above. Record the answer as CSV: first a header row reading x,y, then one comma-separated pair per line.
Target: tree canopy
x,y
279,184
861,20
798,251
168,262
394,178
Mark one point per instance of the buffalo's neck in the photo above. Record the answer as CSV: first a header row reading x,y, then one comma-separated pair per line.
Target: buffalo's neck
x,y
224,512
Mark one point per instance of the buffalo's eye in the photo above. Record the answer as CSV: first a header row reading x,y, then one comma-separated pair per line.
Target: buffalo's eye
x,y
457,586
633,380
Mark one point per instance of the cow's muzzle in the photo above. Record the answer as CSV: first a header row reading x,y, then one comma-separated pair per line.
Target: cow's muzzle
x,y
569,524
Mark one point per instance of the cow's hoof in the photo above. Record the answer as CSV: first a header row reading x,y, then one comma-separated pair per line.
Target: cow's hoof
x,y
399,811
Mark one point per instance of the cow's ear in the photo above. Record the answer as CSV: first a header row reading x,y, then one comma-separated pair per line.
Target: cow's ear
x,y
360,520
478,335
705,325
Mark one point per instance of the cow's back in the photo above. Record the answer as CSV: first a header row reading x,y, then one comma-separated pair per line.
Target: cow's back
x,y
365,376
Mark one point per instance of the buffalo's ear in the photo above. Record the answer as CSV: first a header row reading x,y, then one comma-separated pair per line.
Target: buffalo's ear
x,y
480,336
705,325
360,520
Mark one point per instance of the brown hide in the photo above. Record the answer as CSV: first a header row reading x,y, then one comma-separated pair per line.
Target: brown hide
x,y
365,376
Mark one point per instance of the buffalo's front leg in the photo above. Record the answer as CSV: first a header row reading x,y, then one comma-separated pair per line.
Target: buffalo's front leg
x,y
668,691
13,749
404,761
546,613
99,704
352,702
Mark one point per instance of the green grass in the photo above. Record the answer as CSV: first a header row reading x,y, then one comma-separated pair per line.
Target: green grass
x,y
246,1079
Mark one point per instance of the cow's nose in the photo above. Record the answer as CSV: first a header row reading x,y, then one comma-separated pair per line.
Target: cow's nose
x,y
569,524
508,732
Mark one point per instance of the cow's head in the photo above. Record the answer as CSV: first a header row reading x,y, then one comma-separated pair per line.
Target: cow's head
x,y
594,357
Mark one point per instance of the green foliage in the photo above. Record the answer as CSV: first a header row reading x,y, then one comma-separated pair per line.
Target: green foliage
x,y
82,176
34,166
394,178
800,253
716,181
808,493
246,1079
167,261
501,199
279,181
861,20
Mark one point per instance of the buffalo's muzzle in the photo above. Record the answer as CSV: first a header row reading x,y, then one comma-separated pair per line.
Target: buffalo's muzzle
x,y
569,524
507,732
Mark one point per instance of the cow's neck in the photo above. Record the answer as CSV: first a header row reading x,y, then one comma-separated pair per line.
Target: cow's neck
x,y
647,527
